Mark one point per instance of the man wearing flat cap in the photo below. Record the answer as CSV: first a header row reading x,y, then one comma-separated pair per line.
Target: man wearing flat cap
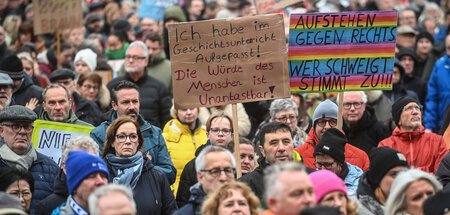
x,y
84,109
6,91
423,150
16,150
23,87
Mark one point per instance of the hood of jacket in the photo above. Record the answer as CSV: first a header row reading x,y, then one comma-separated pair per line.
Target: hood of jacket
x,y
366,121
197,194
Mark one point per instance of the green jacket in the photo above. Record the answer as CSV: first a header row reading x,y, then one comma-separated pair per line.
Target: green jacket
x,y
159,67
73,119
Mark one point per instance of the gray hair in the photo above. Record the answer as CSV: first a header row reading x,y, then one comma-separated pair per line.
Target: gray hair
x,y
363,96
429,7
282,104
25,56
200,162
55,85
82,142
139,44
103,190
273,187
396,199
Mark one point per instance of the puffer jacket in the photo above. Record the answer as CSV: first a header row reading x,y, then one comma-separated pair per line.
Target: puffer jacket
x,y
194,204
438,96
353,155
182,144
44,171
154,145
443,172
59,196
152,193
155,100
368,132
368,204
351,181
422,150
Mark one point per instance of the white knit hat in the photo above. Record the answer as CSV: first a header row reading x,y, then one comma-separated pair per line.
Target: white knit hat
x,y
87,56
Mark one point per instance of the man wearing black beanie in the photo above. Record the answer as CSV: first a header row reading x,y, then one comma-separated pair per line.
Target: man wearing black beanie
x,y
375,184
329,154
423,150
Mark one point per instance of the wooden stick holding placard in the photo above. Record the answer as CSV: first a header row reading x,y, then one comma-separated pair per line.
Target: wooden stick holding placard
x,y
58,49
237,152
340,107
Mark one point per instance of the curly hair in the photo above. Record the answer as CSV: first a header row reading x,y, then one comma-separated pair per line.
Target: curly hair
x,y
211,204
112,131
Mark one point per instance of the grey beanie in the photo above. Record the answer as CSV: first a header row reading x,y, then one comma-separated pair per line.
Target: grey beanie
x,y
326,109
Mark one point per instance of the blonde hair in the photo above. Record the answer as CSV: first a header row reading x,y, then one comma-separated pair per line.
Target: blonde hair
x,y
211,204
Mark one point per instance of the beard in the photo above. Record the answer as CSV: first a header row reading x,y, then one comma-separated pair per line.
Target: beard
x,y
4,103
134,69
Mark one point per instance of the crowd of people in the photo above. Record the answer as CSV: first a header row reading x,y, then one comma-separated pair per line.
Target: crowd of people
x,y
144,155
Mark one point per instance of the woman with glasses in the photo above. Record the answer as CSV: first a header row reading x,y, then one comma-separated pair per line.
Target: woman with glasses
x,y
128,165
375,184
330,190
90,86
18,183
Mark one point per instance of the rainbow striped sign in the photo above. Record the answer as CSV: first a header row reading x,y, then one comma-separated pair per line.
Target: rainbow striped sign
x,y
342,51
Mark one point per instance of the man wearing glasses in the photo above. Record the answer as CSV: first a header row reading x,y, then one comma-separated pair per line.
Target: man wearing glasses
x,y
16,150
361,126
214,166
219,131
324,118
423,150
329,154
155,98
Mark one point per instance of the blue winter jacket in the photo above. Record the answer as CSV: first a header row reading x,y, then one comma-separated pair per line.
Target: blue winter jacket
x,y
44,171
351,181
154,145
438,96
196,199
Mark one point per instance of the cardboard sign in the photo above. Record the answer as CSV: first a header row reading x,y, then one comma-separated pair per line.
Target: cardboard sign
x,y
49,137
265,6
226,61
53,15
342,51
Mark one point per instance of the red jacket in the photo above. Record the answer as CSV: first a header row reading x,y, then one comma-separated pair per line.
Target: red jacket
x,y
422,150
353,155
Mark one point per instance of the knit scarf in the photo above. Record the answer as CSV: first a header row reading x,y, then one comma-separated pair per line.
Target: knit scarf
x,y
23,162
76,208
117,54
127,170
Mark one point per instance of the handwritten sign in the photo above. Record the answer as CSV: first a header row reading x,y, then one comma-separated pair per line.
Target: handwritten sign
x,y
53,15
342,51
228,61
49,137
265,6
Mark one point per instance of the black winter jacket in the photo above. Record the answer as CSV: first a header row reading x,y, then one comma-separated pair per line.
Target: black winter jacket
x,y
27,91
193,207
152,193
87,110
255,179
59,196
368,132
154,98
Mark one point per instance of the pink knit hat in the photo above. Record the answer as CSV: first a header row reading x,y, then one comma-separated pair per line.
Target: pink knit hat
x,y
324,182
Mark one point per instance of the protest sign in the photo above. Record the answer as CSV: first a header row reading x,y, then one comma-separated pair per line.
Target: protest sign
x,y
53,15
49,137
265,6
227,61
342,51
154,9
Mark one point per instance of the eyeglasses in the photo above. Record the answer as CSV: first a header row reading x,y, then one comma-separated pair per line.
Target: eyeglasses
x,y
89,87
348,105
415,107
16,127
123,137
224,131
135,58
285,118
325,165
322,122
215,172
24,194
